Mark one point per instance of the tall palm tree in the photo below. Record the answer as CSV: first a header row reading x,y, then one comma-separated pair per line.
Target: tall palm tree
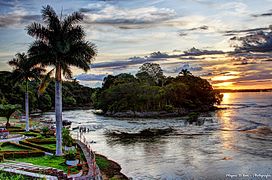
x,y
60,43
23,70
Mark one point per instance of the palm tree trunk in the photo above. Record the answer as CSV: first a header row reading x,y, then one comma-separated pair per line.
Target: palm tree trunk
x,y
58,111
26,108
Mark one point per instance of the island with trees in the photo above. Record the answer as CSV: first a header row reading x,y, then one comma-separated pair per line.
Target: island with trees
x,y
151,94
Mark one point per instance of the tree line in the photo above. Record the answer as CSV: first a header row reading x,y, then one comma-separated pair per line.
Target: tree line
x,y
74,94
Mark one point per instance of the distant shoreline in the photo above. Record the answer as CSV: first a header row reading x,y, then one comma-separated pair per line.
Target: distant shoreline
x,y
243,90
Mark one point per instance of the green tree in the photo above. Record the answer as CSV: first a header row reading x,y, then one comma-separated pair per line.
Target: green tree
x,y
154,70
60,43
7,110
23,71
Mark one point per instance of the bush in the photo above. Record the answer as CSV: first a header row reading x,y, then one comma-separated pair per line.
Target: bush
x,y
31,134
39,140
169,108
67,139
15,129
32,152
69,101
71,155
23,154
27,143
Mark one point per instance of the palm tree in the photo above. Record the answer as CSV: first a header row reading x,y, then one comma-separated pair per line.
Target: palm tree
x,y
24,71
185,72
60,43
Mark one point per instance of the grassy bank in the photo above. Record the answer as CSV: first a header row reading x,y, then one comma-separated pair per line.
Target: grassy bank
x,y
109,169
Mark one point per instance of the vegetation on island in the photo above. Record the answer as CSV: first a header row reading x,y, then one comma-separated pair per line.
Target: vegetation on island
x,y
150,90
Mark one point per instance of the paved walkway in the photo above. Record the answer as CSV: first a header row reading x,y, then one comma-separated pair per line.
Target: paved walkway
x,y
19,168
16,139
89,159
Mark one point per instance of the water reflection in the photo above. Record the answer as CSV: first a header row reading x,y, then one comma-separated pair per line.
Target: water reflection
x,y
225,118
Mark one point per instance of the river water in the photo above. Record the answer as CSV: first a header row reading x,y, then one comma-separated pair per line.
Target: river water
x,y
234,141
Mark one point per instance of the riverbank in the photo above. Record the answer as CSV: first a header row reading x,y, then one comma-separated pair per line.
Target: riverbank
x,y
155,114
109,168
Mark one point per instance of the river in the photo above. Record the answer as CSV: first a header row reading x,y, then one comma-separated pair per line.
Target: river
x,y
231,142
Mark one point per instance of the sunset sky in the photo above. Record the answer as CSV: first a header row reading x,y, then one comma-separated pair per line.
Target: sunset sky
x,y
126,32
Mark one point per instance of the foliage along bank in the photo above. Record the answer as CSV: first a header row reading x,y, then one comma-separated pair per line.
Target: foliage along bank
x,y
74,94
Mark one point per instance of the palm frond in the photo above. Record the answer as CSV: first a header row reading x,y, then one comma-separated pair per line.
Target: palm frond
x,y
14,62
50,17
81,55
44,83
41,53
38,31
67,72
75,34
72,19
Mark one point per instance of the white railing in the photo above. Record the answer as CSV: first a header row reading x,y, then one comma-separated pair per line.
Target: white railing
x,y
94,169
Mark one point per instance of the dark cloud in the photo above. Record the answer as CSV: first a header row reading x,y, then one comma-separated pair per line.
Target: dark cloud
x,y
230,34
20,20
155,56
256,42
176,67
197,52
5,3
123,63
162,55
87,10
90,77
204,27
133,26
263,14
182,34
246,30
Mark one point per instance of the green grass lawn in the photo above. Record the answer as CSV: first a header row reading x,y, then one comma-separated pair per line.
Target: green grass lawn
x,y
51,146
10,176
11,147
48,161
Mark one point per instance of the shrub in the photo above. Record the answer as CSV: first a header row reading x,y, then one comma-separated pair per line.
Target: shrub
x,y
31,134
45,131
71,155
29,152
67,139
22,154
27,143
15,129
39,140
169,108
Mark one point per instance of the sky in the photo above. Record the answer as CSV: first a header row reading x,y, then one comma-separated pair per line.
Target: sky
x,y
191,34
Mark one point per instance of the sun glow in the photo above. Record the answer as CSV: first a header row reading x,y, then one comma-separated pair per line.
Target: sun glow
x,y
223,78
